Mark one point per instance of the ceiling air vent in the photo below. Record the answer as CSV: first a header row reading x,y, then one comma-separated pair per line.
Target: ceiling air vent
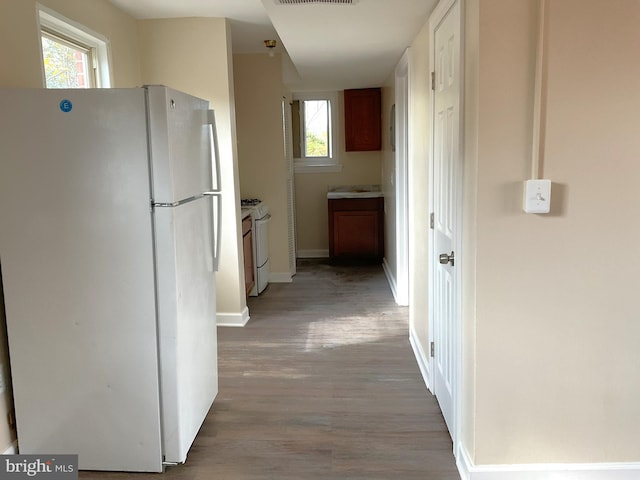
x,y
316,2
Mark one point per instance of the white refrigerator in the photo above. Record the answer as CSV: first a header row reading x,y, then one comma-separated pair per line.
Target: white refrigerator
x,y
109,233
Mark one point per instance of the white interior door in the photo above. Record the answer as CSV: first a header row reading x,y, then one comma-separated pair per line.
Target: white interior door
x,y
446,187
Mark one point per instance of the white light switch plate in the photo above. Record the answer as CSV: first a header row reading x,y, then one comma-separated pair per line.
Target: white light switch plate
x,y
537,196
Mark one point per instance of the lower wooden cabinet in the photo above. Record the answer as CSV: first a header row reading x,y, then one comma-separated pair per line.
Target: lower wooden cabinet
x,y
356,229
247,247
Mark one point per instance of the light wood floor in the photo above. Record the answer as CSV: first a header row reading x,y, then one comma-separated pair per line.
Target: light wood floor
x,y
320,384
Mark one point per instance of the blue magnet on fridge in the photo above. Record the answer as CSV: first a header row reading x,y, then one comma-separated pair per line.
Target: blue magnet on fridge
x,y
66,105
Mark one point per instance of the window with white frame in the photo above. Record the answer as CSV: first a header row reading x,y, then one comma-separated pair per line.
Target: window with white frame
x,y
72,55
315,136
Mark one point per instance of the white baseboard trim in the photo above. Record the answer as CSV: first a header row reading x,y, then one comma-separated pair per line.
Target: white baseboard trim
x,y
322,253
421,358
390,278
233,319
12,449
280,277
553,471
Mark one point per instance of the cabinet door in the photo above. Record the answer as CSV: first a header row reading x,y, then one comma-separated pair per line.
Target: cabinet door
x,y
356,234
362,121
247,244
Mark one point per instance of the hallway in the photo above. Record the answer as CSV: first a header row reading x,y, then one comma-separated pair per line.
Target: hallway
x,y
320,384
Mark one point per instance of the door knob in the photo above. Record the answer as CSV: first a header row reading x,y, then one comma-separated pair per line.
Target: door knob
x,y
444,258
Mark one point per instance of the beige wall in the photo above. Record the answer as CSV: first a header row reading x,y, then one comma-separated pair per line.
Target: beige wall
x,y
21,66
359,168
550,322
556,317
263,171
194,55
119,28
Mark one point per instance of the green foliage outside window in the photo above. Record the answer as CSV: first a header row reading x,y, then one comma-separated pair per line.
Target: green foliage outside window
x,y
316,146
61,65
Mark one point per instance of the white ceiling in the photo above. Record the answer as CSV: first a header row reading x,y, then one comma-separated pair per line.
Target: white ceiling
x,y
333,47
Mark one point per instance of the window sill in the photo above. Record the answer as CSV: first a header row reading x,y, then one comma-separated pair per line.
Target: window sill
x,y
305,168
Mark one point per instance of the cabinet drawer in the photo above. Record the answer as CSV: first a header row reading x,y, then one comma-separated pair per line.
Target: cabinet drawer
x,y
355,204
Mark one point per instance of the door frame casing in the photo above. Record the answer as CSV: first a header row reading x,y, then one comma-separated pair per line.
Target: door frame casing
x,y
287,133
436,17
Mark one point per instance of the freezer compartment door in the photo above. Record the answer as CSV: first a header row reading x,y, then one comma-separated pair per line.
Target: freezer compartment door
x,y
186,320
76,248
180,139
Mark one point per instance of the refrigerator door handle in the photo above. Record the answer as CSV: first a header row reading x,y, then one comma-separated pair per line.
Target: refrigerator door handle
x,y
217,226
213,132
176,204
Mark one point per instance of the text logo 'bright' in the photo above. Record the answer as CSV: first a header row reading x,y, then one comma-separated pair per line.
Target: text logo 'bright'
x,y
51,467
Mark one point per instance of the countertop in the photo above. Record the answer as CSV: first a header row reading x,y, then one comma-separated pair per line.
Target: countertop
x,y
245,212
354,191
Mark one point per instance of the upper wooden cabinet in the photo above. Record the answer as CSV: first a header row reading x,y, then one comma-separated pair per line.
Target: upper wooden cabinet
x,y
362,120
